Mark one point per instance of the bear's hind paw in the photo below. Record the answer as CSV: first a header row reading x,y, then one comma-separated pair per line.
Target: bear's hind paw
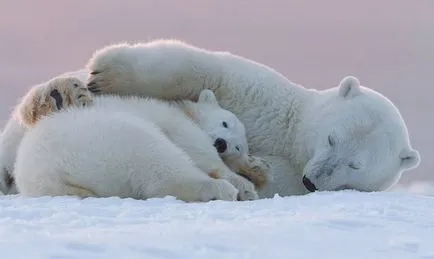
x,y
56,95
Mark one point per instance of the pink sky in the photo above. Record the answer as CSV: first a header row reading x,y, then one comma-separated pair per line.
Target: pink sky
x,y
388,44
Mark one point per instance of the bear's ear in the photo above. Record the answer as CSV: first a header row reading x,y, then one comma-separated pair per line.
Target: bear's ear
x,y
410,158
349,87
207,96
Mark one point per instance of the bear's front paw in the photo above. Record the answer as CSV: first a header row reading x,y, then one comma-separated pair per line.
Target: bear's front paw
x,y
257,170
218,189
97,83
246,189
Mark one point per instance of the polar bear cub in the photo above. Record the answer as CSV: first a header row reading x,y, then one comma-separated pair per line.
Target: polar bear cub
x,y
121,146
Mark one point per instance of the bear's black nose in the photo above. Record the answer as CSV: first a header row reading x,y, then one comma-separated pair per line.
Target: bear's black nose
x,y
221,145
308,184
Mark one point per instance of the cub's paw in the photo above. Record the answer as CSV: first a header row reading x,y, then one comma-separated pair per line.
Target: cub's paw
x,y
56,95
246,189
256,170
218,189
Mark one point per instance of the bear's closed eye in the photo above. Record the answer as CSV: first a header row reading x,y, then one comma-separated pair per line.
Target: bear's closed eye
x,y
331,140
354,166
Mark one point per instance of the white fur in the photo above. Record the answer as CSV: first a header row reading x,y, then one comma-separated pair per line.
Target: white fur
x,y
286,124
127,147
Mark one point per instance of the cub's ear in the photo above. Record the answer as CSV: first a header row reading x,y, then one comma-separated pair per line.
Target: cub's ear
x,y
410,159
349,87
207,96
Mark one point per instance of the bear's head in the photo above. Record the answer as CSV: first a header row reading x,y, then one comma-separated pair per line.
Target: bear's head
x,y
226,130
355,139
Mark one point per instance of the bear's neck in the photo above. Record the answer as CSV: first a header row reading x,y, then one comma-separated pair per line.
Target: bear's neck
x,y
271,107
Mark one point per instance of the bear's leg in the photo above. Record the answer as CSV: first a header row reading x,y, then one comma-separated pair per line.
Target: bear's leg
x,y
50,184
56,95
163,71
75,190
58,190
168,170
195,189
199,147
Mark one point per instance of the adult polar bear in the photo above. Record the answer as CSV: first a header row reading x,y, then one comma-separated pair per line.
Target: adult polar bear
x,y
347,136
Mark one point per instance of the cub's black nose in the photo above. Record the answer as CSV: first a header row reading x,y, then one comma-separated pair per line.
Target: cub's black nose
x,y
221,145
308,184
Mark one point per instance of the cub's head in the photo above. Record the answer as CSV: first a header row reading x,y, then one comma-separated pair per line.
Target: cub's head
x,y
355,139
225,129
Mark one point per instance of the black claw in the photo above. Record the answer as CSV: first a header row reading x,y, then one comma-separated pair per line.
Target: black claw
x,y
91,83
95,72
58,98
94,89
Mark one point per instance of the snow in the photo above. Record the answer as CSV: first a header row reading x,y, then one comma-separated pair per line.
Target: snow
x,y
416,187
345,224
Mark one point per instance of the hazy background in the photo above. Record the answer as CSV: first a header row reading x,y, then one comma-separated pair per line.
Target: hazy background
x,y
387,44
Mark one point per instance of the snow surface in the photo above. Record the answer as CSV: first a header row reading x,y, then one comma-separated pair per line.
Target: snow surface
x,y
416,187
346,224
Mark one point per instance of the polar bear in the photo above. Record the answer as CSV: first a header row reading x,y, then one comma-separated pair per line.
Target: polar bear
x,y
122,146
345,137
230,142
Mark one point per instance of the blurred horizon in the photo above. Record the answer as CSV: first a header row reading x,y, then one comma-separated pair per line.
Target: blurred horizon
x,y
388,45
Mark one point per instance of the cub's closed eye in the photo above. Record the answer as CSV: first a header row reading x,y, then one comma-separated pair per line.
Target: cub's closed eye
x,y
225,124
353,165
331,140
